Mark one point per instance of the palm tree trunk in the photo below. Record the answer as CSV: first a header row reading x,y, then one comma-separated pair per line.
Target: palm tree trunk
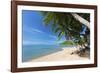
x,y
81,20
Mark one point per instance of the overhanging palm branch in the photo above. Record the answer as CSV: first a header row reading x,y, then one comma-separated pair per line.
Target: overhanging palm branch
x,y
67,24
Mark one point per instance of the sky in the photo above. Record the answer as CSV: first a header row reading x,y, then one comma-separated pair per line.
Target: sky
x,y
34,31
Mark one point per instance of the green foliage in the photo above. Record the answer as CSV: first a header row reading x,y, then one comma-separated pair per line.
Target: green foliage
x,y
80,41
48,17
64,24
67,43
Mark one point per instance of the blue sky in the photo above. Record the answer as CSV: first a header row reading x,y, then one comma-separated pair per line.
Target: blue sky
x,y
34,30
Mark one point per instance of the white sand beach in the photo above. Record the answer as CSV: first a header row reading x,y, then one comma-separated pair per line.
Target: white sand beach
x,y
63,55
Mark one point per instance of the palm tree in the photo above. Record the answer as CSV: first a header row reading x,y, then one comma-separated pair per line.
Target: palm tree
x,y
80,19
69,25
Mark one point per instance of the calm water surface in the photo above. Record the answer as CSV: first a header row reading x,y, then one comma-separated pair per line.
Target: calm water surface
x,y
35,51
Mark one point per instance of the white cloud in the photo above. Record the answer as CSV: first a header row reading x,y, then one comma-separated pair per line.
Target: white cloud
x,y
36,30
39,31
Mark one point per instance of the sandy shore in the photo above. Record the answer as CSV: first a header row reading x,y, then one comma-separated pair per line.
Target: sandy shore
x,y
63,55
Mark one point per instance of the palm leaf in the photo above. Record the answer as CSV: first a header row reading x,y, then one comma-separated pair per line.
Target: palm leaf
x,y
48,18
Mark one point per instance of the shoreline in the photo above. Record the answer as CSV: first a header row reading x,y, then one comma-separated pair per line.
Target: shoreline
x,y
63,55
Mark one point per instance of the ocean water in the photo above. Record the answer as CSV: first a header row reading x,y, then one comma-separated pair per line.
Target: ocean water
x,y
30,52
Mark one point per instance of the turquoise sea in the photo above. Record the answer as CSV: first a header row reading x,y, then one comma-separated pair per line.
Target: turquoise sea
x,y
35,51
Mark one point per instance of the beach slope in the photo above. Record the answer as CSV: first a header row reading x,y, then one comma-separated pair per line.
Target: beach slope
x,y
63,55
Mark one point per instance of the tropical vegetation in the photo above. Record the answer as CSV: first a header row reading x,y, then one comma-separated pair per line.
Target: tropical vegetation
x,y
74,26
67,43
